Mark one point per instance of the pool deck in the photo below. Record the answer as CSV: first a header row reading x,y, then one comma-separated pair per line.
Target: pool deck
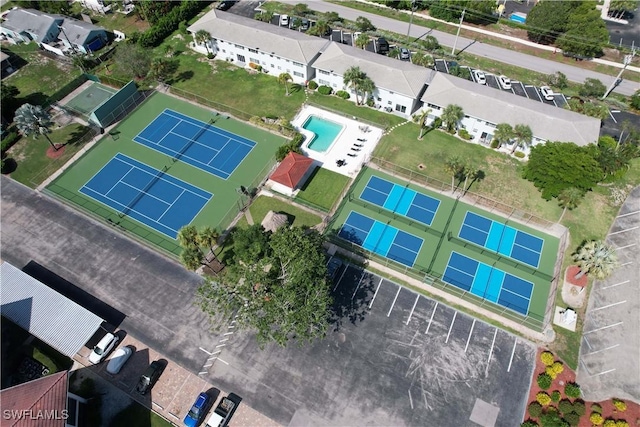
x,y
342,147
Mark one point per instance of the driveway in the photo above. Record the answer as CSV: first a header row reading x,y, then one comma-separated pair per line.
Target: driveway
x,y
479,49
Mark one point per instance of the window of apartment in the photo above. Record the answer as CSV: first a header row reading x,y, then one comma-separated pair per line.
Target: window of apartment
x,y
254,60
239,47
224,51
272,66
297,64
297,74
240,58
323,82
253,50
323,72
279,67
433,106
401,108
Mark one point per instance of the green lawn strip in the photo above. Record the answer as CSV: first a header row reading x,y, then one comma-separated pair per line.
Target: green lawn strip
x,y
41,76
33,165
323,188
350,109
297,217
220,209
137,415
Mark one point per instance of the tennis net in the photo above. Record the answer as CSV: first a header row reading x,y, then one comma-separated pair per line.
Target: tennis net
x,y
144,191
193,140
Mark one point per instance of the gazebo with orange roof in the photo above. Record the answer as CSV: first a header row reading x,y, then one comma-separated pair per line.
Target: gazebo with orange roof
x,y
291,174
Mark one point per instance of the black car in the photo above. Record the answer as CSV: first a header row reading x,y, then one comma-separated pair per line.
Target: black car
x,y
225,5
383,46
150,376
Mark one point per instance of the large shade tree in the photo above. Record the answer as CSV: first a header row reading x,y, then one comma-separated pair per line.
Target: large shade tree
x,y
133,60
33,120
596,259
277,287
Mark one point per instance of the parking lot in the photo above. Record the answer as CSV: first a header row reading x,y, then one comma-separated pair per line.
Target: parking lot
x,y
392,357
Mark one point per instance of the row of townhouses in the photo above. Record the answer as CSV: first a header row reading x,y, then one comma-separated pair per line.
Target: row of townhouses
x,y
402,88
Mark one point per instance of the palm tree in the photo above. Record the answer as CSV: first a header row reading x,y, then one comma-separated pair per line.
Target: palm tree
x,y
453,166
362,41
595,259
208,238
367,86
422,122
33,120
523,136
285,78
469,170
503,134
161,68
420,58
203,37
569,198
451,115
352,78
321,28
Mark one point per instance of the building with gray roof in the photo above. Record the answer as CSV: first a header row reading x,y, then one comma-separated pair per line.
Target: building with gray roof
x,y
26,25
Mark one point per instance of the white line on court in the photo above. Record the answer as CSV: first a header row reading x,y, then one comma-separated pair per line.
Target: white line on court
x,y
604,327
413,308
629,213
609,305
626,229
455,314
410,398
204,351
495,333
625,247
513,352
358,287
616,284
602,349
341,276
394,301
469,338
431,318
375,293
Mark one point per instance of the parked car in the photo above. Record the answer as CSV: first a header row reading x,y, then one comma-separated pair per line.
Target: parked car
x,y
547,93
404,53
119,358
100,351
150,376
304,24
284,20
505,82
479,77
198,411
224,411
225,5
383,46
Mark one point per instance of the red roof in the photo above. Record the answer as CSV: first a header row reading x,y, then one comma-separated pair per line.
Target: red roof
x,y
38,403
291,169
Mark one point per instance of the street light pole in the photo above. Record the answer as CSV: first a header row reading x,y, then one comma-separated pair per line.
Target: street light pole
x,y
413,8
453,49
627,61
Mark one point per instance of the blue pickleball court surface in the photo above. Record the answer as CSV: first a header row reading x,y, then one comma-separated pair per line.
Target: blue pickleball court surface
x,y
400,199
381,238
197,143
489,283
501,238
147,195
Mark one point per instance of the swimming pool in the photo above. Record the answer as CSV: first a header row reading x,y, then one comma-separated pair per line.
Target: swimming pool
x,y
325,132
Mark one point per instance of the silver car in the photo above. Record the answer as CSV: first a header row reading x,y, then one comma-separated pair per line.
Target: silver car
x,y
118,360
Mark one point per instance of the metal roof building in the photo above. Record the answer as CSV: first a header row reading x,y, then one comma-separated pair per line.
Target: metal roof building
x,y
43,312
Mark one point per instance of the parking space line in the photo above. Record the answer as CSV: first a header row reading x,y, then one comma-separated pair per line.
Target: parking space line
x,y
220,345
358,287
226,363
616,284
394,301
609,305
227,333
216,352
513,352
624,229
203,372
375,293
208,364
602,349
628,213
177,393
469,337
159,406
604,327
410,398
204,351
431,318
413,308
602,373
625,247
626,263
455,314
341,276
495,333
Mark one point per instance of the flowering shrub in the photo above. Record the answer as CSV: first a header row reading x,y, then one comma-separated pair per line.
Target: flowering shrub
x,y
609,423
622,423
543,398
547,358
596,419
557,367
544,380
550,372
620,405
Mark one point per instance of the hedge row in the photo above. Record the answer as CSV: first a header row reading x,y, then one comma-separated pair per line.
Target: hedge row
x,y
170,22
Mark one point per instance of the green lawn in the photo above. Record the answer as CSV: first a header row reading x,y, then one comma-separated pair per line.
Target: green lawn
x,y
40,77
323,188
137,415
33,165
297,217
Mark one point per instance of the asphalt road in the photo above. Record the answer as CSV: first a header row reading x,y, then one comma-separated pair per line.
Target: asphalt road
x,y
498,54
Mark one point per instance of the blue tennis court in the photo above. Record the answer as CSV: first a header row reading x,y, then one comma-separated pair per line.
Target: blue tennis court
x,y
145,194
502,238
489,283
381,238
400,199
197,143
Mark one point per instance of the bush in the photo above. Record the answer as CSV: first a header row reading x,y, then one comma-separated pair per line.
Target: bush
x,y
370,102
494,143
543,398
620,405
464,134
437,123
544,381
529,423
297,139
182,26
597,409
555,396
312,85
635,100
210,55
572,418
548,370
8,141
169,22
572,390
592,88
343,94
256,67
519,155
551,418
535,409
596,419
547,358
622,423
610,423
565,406
579,407
557,367
324,90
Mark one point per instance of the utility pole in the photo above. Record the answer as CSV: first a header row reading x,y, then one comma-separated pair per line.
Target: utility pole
x,y
413,8
453,49
627,61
